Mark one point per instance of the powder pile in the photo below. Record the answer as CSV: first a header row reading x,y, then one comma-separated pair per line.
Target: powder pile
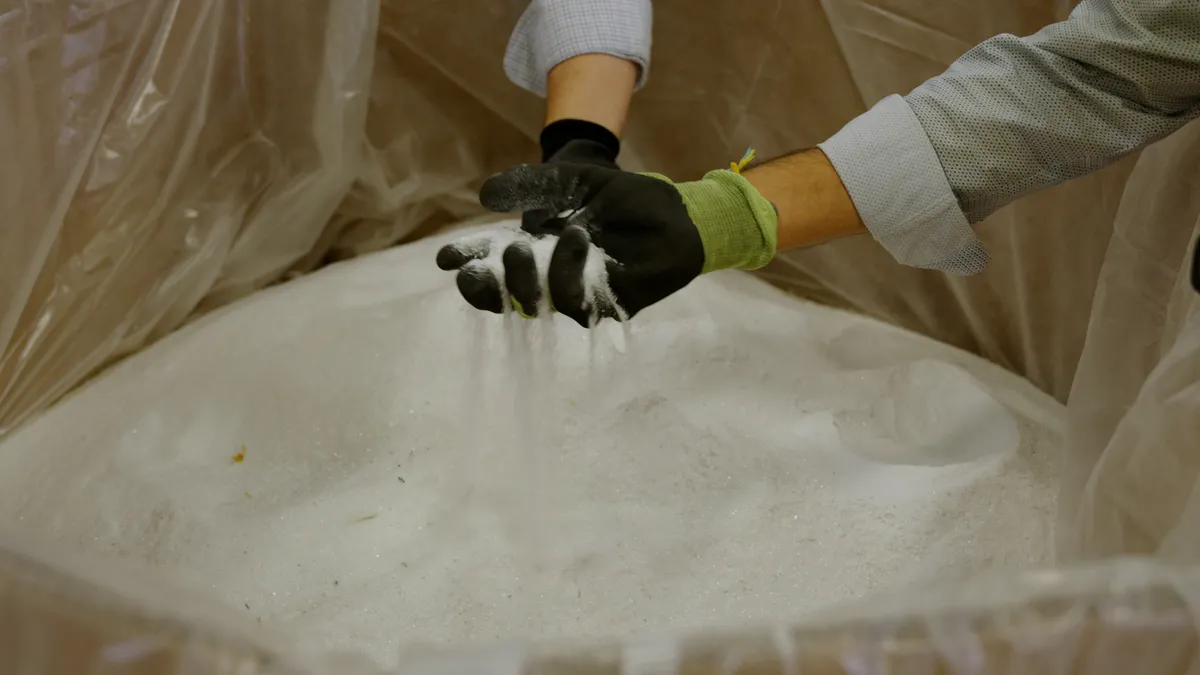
x,y
415,471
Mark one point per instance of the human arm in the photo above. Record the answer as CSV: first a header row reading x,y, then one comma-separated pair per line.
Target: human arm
x,y
621,241
586,105
595,88
1016,115
587,57
811,204
1010,117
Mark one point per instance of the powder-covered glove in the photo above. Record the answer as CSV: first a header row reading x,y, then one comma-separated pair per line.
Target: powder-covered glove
x,y
620,242
572,141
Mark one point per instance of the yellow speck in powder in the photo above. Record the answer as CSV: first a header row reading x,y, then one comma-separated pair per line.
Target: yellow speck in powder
x,y
241,456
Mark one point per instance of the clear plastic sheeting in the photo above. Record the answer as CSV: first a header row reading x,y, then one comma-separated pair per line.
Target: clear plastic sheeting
x,y
1119,617
157,153
1131,470
162,158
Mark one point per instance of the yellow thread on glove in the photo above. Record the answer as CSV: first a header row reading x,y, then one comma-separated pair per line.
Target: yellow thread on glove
x,y
519,309
737,166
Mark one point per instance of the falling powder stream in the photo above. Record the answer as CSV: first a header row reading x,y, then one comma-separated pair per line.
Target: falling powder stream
x,y
522,438
519,431
471,455
507,401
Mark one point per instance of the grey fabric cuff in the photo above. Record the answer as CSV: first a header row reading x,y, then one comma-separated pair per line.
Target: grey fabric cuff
x,y
897,183
552,31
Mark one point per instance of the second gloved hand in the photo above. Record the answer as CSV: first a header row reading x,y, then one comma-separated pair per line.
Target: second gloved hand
x,y
617,243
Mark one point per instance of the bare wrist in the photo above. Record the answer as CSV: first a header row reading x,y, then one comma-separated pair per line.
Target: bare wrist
x,y
812,204
592,87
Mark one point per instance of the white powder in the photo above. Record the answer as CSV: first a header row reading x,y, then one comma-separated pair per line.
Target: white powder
x,y
490,244
487,247
596,288
543,249
418,471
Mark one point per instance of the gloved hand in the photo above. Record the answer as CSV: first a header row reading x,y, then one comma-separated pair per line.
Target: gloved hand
x,y
619,241
572,142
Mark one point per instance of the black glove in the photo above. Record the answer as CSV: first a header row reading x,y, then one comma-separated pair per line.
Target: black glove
x,y
618,241
572,142
627,243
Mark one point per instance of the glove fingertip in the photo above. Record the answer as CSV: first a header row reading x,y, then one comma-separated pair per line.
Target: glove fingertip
x,y
458,253
450,257
503,192
480,288
568,288
521,277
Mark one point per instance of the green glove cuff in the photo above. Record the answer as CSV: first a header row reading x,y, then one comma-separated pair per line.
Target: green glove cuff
x,y
738,226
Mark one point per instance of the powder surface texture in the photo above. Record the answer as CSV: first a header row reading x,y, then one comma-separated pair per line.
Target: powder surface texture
x,y
359,459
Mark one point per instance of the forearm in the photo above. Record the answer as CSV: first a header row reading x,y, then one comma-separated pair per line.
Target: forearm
x,y
552,33
1015,115
812,204
591,87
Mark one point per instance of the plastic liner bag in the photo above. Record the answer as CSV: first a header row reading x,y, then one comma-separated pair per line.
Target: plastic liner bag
x,y
1131,472
164,157
1119,617
161,155
1087,295
360,124
429,141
